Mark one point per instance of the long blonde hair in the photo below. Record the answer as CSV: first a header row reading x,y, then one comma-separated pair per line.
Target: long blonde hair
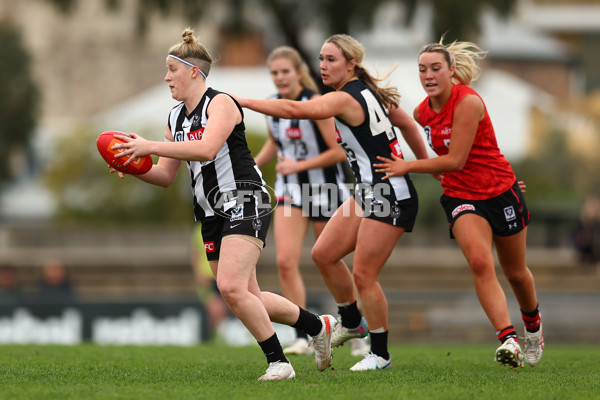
x,y
193,51
353,50
462,55
292,54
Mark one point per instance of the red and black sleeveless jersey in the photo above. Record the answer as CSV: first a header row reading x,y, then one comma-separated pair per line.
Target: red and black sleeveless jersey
x,y
486,172
232,167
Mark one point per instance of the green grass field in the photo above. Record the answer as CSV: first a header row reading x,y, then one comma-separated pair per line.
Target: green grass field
x,y
219,372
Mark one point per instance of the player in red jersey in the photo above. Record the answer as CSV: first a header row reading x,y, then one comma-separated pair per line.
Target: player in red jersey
x,y
483,202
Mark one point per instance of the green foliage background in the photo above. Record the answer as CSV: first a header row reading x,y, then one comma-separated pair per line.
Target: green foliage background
x,y
19,97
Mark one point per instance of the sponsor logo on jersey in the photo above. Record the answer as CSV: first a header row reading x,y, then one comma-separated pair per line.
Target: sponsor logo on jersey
x,y
338,136
293,132
447,130
395,146
196,135
509,213
462,208
209,247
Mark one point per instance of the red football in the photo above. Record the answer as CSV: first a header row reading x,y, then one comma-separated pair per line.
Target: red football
x,y
106,140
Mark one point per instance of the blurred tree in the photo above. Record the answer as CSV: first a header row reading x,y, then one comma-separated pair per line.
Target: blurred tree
x,y
19,98
191,10
337,16
458,20
556,174
552,191
64,6
549,172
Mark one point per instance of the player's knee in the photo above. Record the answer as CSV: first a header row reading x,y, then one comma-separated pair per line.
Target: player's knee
x,y
286,265
230,292
319,256
516,276
362,278
481,264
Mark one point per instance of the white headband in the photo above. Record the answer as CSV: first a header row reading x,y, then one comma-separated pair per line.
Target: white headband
x,y
187,63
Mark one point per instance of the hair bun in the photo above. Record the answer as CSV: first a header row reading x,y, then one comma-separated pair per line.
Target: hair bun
x,y
188,36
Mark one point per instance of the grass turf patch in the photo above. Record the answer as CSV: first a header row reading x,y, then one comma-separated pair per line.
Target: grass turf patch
x,y
216,371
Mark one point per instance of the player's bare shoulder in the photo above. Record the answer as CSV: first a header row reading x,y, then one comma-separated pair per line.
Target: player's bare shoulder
x,y
223,104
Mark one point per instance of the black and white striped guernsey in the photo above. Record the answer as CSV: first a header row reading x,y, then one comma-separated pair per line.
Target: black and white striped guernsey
x,y
300,139
232,168
376,136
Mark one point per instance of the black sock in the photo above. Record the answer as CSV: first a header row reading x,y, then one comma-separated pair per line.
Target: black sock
x,y
272,349
379,342
301,334
532,319
351,317
308,322
507,333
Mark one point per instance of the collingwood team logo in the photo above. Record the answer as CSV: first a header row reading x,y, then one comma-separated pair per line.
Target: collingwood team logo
x,y
395,212
195,120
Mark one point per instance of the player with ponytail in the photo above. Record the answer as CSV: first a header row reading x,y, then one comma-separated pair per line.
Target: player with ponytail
x,y
482,199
